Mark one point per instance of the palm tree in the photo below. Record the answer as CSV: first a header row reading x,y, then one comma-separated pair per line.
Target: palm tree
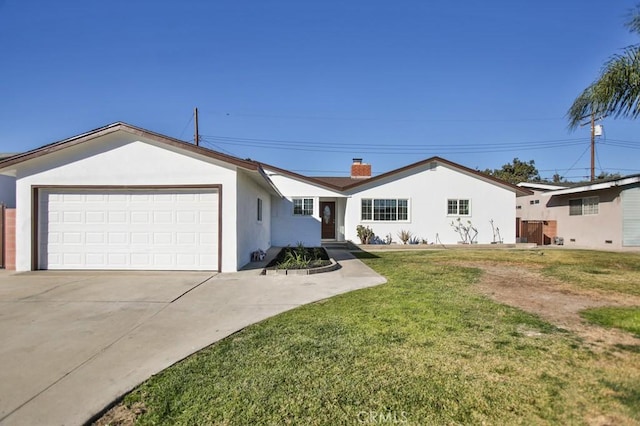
x,y
617,91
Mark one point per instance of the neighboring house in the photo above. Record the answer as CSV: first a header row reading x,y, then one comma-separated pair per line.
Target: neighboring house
x,y
598,215
121,197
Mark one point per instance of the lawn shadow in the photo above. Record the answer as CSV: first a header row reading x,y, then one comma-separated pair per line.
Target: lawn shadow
x,y
365,255
630,348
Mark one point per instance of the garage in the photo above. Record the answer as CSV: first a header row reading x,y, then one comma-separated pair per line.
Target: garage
x,y
128,228
631,217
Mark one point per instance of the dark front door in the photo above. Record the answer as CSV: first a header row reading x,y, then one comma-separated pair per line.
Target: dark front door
x,y
328,219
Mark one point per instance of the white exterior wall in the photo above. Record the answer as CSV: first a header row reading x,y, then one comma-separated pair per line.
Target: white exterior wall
x,y
428,190
252,234
121,159
288,229
8,191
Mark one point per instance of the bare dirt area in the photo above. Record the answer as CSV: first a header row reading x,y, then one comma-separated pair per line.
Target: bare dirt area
x,y
555,301
121,415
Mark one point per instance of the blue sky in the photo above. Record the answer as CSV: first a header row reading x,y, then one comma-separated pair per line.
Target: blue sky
x,y
308,85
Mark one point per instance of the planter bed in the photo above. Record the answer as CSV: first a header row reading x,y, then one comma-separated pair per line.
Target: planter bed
x,y
322,264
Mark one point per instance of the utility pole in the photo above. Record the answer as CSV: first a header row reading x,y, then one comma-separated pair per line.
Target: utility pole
x,y
592,122
593,146
196,134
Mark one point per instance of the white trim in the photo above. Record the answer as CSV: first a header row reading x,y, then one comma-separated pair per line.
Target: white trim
x,y
458,214
598,186
540,186
373,220
303,199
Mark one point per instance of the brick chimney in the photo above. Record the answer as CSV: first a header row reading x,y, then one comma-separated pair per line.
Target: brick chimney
x,y
360,170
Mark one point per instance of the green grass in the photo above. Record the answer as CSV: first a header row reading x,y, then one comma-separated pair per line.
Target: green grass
x,y
623,318
587,269
424,348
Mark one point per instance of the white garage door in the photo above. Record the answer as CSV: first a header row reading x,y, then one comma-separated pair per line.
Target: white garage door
x,y
171,229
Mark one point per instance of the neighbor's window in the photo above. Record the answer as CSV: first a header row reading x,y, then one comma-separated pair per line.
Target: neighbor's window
x,y
457,207
259,210
584,206
303,206
385,210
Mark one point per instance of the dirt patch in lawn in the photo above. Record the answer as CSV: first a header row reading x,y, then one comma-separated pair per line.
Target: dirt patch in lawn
x,y
121,415
555,301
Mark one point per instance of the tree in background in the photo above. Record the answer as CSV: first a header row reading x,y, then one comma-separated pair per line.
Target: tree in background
x,y
516,172
617,91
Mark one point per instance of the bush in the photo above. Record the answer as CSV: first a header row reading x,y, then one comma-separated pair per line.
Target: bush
x,y
404,236
365,234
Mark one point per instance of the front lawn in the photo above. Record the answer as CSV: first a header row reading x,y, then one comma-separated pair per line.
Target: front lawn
x,y
422,349
624,318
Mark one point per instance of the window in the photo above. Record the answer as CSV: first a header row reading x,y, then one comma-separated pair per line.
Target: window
x,y
534,202
385,210
584,206
259,210
303,206
458,207
590,205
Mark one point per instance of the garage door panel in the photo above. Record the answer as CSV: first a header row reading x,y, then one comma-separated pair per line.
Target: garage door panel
x,y
129,229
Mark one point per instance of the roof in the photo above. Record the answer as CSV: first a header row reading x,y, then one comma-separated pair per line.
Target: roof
x,y
120,126
451,164
335,183
600,185
340,181
542,186
248,165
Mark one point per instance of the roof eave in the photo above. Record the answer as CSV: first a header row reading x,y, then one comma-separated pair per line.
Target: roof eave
x,y
598,186
298,176
120,126
516,189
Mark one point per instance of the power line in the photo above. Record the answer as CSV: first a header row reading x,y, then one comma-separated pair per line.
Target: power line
x,y
211,144
378,119
394,149
277,142
185,126
576,162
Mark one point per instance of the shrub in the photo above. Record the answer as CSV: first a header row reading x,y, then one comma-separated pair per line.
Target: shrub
x,y
404,236
365,234
464,230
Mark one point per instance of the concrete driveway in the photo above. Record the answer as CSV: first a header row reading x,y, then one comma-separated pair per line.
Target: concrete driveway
x,y
73,342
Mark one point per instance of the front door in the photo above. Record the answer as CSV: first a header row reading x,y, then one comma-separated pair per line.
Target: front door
x,y
328,219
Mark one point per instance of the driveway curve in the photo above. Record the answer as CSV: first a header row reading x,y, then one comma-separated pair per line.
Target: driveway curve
x,y
73,342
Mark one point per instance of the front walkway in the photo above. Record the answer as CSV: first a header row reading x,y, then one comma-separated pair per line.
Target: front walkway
x,y
73,342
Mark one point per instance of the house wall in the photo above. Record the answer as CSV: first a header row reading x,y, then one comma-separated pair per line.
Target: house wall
x,y
631,216
8,191
287,229
9,249
122,159
584,231
428,190
252,234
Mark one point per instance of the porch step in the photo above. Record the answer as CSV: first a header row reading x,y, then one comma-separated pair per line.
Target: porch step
x,y
339,245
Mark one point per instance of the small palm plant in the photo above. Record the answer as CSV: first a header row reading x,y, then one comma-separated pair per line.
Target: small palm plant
x,y
405,236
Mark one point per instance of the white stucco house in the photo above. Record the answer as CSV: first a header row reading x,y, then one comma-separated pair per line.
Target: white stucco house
x,y
121,197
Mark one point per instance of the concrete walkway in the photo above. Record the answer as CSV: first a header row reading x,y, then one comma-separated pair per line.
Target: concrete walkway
x,y
73,342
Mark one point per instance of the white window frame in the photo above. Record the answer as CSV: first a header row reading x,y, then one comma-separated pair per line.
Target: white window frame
x,y
457,210
259,206
589,206
371,216
306,206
